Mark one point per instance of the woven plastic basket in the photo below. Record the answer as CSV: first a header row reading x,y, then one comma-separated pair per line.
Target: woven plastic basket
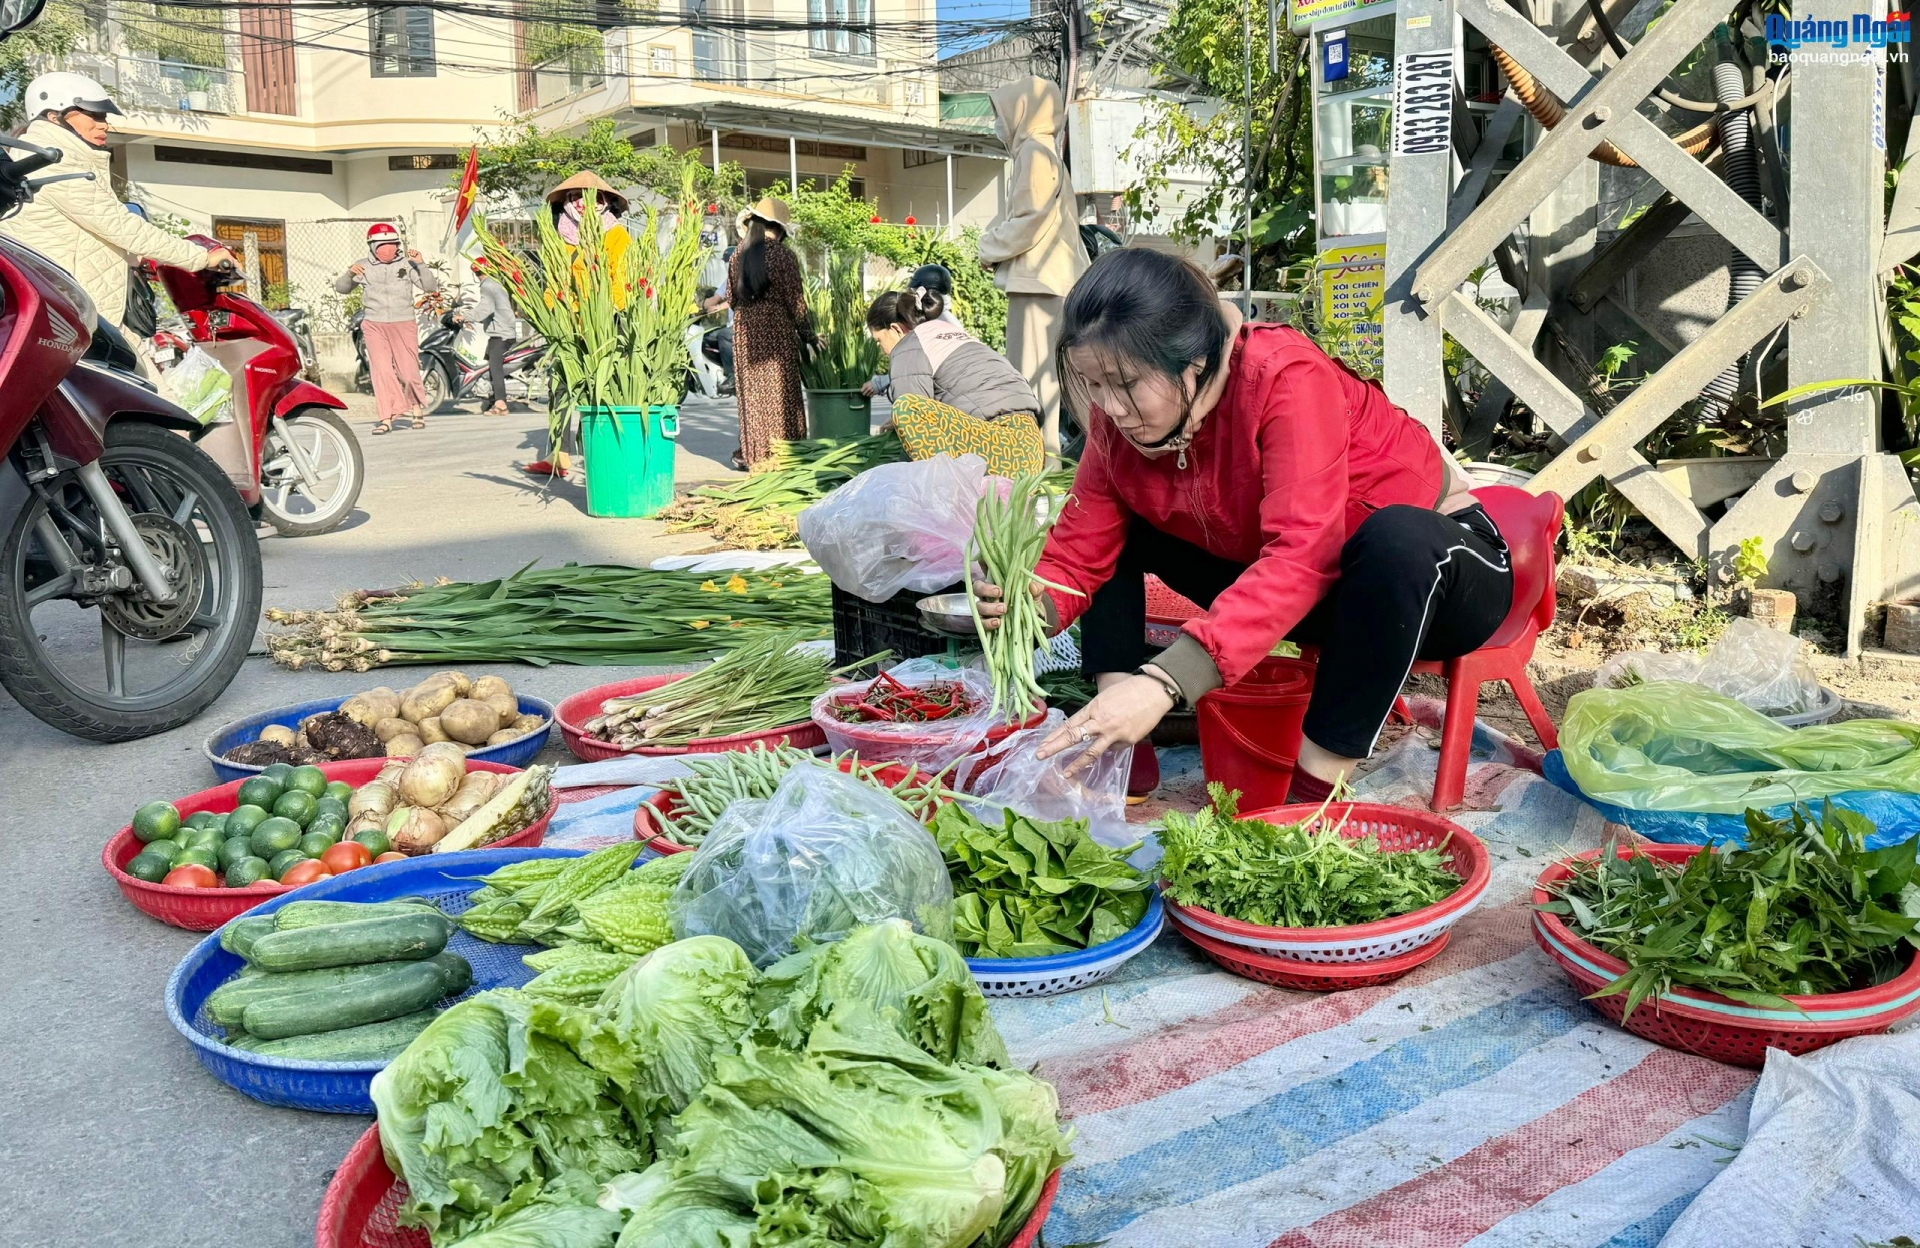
x,y
362,1205
342,1087
1706,1023
1311,976
1397,828
515,753
203,909
1066,972
573,713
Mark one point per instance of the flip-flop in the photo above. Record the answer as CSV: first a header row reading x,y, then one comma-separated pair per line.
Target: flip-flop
x,y
418,423
382,426
541,468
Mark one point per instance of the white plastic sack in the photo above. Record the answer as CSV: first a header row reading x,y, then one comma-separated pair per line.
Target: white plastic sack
x,y
1832,1158
934,745
1757,666
470,345
824,855
1018,780
897,526
200,386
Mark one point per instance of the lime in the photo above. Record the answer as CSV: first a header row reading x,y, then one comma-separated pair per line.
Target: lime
x,y
313,844
200,819
374,839
149,867
295,805
278,771
309,780
218,823
262,791
281,861
156,821
331,825
164,849
208,858
331,805
339,790
274,835
234,848
245,871
243,821
202,838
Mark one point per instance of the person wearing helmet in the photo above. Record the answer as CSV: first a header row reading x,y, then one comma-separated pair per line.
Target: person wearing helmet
x,y
80,224
388,328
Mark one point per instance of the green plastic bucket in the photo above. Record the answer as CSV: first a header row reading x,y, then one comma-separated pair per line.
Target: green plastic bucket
x,y
838,414
629,454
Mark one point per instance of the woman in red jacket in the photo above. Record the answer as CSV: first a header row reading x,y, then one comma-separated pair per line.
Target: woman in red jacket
x,y
1261,479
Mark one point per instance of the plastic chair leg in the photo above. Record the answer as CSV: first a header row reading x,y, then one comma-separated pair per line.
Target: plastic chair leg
x,y
1536,713
1456,742
1401,712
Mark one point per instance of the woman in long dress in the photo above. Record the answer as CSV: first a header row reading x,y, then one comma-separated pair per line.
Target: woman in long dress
x,y
769,322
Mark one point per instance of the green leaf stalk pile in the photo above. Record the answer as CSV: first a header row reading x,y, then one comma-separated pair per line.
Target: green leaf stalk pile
x,y
758,513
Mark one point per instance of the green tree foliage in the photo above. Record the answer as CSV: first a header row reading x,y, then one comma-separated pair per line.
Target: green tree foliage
x,y
1202,53
525,162
56,32
176,34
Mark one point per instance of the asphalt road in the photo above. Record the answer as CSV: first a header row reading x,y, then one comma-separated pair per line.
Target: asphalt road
x,y
110,1130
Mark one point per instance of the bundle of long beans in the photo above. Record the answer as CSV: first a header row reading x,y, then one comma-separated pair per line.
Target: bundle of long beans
x,y
758,513
764,683
719,780
1008,536
575,613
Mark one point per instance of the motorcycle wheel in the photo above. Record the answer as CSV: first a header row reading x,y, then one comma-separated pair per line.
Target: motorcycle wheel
x,y
433,380
118,667
332,454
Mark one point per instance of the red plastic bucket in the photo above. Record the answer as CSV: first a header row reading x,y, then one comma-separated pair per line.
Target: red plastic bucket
x,y
1250,731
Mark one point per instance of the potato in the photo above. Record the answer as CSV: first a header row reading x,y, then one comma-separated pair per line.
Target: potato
x,y
506,708
432,730
427,699
430,780
406,745
503,736
469,722
525,724
490,686
414,830
361,710
394,726
461,684
277,734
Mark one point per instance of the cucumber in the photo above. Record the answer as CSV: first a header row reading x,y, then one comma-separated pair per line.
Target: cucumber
x,y
392,938
298,914
231,998
369,1042
238,936
401,989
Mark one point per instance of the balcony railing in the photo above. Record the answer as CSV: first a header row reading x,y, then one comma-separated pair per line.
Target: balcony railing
x,y
567,75
146,85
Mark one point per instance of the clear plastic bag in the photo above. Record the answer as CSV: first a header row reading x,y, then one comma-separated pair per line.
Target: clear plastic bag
x,y
934,744
1761,667
1637,667
1671,745
897,526
824,855
1017,780
200,386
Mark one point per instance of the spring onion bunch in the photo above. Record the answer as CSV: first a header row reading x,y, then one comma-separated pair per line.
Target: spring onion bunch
x,y
719,780
603,614
1008,536
758,513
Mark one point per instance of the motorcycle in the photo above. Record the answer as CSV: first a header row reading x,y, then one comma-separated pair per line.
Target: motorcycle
x,y
451,374
130,579
285,451
295,322
705,376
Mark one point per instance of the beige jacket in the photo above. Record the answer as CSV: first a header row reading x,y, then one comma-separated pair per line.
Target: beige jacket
x,y
1034,246
82,227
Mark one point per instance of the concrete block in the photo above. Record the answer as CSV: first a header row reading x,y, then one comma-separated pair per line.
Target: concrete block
x,y
1772,607
1903,627
1632,593
1887,665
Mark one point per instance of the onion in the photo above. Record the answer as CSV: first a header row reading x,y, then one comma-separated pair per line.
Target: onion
x,y
472,795
430,780
375,798
414,830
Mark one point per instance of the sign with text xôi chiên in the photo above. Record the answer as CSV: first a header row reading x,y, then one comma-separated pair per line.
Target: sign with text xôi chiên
x,y
1352,279
1304,13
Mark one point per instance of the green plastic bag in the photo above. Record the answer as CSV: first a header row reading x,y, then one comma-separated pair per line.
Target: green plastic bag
x,y
1670,745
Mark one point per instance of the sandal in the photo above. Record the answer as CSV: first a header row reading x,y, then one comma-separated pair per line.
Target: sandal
x,y
382,426
498,409
418,422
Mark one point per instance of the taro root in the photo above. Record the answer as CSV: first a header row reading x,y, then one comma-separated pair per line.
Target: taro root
x,y
431,780
469,722
337,736
406,745
267,753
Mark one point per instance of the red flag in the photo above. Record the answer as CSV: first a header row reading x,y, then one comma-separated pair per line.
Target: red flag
x,y
469,187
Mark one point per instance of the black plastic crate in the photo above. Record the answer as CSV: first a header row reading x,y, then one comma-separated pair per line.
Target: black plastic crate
x,y
861,628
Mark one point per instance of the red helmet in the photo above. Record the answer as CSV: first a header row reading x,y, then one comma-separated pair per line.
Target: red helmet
x,y
380,232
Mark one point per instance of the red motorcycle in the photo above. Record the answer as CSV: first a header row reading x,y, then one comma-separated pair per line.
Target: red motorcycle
x,y
285,451
130,579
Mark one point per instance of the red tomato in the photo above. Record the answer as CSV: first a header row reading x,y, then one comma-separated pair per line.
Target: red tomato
x,y
306,873
345,856
392,855
193,875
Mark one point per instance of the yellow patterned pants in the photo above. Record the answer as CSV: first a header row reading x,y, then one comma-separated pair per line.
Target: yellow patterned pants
x,y
1010,444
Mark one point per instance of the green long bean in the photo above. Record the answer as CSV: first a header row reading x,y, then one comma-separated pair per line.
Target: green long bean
x,y
1008,537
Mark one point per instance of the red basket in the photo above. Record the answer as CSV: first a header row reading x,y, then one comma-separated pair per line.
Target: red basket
x,y
1166,607
1310,976
1396,828
362,1204
1707,1023
647,828
203,909
573,713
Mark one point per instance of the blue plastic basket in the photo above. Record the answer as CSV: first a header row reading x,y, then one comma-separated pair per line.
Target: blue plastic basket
x,y
1065,972
343,1087
516,753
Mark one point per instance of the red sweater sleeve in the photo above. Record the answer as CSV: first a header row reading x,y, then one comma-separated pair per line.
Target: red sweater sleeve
x,y
1085,543
1303,424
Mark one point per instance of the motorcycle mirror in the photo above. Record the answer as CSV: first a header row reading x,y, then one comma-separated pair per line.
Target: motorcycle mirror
x,y
18,14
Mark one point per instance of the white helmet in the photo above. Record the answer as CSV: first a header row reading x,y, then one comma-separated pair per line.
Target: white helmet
x,y
60,91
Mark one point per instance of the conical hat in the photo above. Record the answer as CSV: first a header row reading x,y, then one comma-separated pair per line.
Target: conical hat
x,y
586,181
